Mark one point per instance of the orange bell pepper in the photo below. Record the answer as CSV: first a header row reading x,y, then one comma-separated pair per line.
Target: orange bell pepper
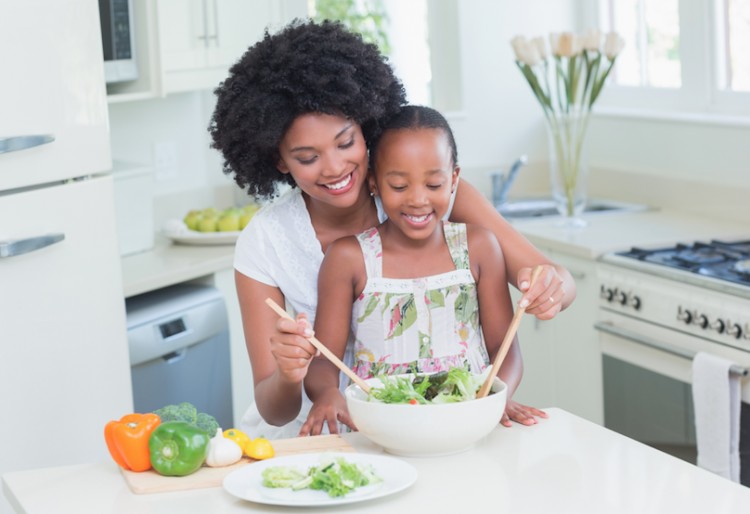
x,y
127,440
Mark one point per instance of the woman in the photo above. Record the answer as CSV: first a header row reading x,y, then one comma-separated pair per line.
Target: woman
x,y
298,109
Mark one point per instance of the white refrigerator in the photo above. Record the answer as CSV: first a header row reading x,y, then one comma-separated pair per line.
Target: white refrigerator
x,y
64,367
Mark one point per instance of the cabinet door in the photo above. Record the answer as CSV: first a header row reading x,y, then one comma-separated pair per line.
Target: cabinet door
x,y
183,34
575,345
201,39
239,24
562,359
52,85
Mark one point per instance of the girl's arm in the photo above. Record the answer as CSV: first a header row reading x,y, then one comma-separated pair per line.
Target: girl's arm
x,y
279,354
337,281
495,316
521,256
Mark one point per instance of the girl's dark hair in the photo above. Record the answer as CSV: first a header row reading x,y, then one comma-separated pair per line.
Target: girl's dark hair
x,y
307,67
416,117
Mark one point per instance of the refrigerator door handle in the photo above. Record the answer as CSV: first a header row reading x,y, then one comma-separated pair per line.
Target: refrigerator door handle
x,y
13,247
14,144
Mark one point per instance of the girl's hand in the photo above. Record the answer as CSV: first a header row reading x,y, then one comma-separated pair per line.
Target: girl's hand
x,y
520,413
544,299
330,408
291,348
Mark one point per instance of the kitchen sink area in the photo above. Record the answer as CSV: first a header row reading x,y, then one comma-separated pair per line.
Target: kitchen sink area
x,y
543,207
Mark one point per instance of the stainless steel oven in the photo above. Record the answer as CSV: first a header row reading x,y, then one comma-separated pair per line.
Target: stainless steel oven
x,y
657,309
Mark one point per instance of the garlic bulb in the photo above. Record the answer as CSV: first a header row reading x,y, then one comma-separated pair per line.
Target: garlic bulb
x,y
222,451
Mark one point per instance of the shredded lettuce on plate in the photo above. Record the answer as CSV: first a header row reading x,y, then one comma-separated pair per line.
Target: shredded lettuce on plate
x,y
454,385
335,476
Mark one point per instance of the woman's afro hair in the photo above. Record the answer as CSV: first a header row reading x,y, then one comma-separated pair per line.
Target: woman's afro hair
x,y
306,67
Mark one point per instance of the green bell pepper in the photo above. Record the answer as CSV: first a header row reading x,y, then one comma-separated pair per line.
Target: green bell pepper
x,y
177,448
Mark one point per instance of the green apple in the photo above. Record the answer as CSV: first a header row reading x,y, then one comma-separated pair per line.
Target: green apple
x,y
209,224
192,219
229,222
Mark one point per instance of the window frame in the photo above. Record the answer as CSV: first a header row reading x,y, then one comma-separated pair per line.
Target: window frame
x,y
700,99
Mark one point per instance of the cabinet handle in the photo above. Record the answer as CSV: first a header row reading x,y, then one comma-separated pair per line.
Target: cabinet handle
x,y
215,37
14,144
16,247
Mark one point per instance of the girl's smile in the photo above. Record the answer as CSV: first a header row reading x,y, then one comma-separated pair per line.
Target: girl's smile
x,y
414,177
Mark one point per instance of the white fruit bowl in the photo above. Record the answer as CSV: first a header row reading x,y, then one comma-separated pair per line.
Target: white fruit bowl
x,y
425,430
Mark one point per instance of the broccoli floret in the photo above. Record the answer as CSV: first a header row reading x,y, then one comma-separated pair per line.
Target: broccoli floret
x,y
184,411
207,423
187,412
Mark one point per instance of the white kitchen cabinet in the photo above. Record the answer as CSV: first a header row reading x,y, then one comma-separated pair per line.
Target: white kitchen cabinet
x,y
562,360
200,39
188,45
242,373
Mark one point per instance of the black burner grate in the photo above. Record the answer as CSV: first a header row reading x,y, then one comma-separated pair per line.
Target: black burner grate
x,y
718,259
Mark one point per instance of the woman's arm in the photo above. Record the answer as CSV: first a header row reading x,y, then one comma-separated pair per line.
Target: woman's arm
x,y
337,281
279,353
553,292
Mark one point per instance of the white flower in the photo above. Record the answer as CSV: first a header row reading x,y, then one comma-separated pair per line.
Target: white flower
x,y
592,40
613,45
519,47
538,42
526,51
565,44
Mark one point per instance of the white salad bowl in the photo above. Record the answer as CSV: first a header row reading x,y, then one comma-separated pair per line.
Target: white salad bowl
x,y
425,430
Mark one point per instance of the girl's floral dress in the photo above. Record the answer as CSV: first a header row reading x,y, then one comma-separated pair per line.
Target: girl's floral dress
x,y
423,324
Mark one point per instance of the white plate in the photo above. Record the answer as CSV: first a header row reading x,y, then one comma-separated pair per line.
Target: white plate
x,y
178,232
246,483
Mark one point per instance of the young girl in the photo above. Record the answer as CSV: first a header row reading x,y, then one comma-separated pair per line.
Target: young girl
x,y
420,294
300,108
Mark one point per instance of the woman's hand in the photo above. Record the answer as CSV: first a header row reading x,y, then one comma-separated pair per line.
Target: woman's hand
x,y
292,349
520,413
545,298
330,408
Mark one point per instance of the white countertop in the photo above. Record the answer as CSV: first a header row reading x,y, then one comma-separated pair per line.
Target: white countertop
x,y
168,264
563,465
609,232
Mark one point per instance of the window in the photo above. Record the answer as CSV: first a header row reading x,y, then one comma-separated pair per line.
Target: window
x,y
420,38
685,57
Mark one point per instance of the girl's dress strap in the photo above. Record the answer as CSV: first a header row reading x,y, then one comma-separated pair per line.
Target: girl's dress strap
x,y
372,250
455,237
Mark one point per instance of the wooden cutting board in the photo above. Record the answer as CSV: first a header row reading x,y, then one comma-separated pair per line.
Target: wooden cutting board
x,y
150,481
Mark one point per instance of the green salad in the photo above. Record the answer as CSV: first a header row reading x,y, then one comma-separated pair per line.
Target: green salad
x,y
336,476
454,385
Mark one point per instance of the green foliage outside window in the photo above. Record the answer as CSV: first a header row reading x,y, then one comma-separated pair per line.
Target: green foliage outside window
x,y
368,17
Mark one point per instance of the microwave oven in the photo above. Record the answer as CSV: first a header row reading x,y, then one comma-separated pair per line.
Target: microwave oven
x,y
118,40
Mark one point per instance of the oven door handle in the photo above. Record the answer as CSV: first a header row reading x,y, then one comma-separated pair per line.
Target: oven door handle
x,y
609,328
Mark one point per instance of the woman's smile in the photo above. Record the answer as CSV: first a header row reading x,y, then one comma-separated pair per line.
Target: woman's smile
x,y
341,186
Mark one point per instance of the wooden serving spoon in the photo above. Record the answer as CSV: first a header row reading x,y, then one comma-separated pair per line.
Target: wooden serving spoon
x,y
324,350
507,341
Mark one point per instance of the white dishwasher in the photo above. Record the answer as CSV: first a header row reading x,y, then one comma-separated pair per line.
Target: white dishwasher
x,y
179,350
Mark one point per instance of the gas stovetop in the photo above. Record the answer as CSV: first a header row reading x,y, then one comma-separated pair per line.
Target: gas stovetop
x,y
722,266
721,260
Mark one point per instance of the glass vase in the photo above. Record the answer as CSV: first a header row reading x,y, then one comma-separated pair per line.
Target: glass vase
x,y
568,165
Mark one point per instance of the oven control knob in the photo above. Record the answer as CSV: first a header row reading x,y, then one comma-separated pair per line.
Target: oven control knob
x,y
607,293
623,298
718,325
702,321
734,329
635,302
684,315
